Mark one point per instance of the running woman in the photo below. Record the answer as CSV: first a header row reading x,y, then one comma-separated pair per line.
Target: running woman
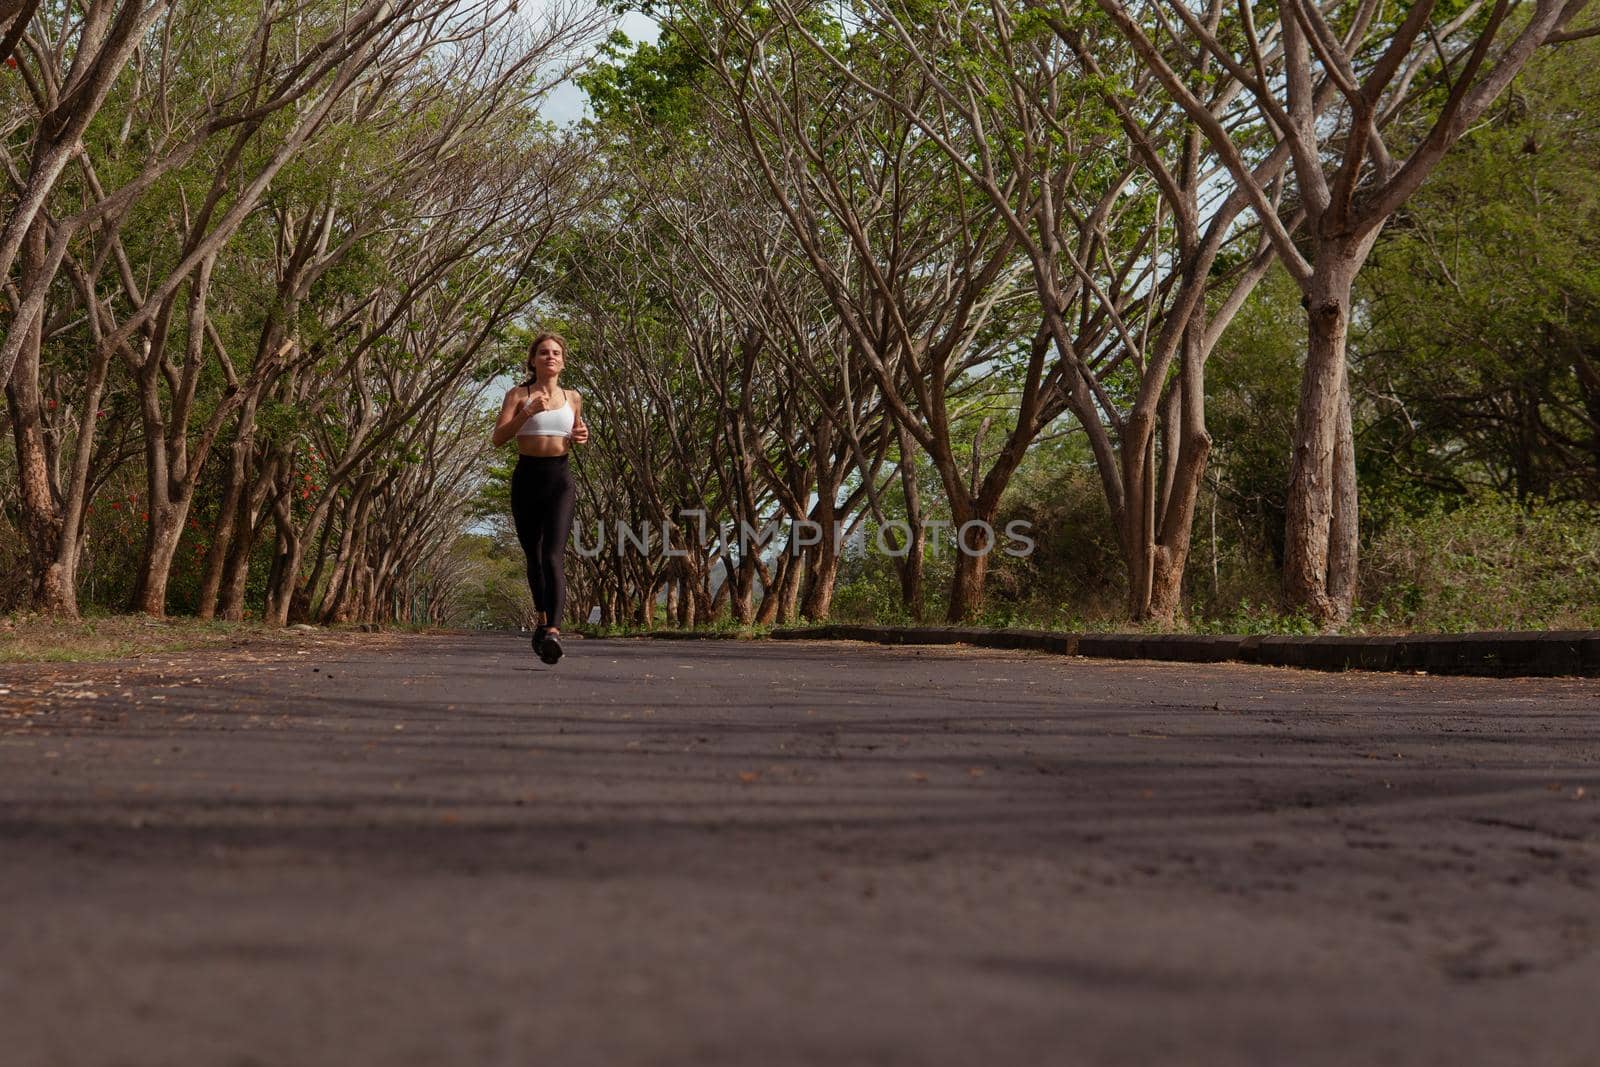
x,y
544,419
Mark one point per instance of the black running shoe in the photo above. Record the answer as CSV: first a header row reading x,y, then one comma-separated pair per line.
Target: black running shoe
x,y
550,648
538,636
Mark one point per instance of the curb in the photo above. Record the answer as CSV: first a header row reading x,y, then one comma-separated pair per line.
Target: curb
x,y
1538,654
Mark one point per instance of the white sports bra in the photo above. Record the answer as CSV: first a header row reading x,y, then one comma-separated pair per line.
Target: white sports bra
x,y
552,422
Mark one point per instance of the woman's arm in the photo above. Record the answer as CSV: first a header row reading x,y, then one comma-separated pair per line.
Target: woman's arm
x,y
511,417
580,429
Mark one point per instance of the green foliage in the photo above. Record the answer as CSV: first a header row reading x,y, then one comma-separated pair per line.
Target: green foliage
x,y
1480,358
645,86
869,592
1075,569
1252,389
1247,617
1488,565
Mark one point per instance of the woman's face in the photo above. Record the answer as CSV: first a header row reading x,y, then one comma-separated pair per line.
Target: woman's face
x,y
548,357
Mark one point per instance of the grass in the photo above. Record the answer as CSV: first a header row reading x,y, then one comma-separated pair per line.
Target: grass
x,y
1246,620
40,639
721,628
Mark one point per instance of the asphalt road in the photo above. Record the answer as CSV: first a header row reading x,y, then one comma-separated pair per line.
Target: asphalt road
x,y
417,851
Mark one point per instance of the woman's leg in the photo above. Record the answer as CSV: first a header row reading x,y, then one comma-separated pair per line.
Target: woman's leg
x,y
556,520
528,514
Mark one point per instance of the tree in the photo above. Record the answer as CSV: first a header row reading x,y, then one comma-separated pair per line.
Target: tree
x,y
1480,360
216,236
923,278
1137,261
66,99
1407,89
161,132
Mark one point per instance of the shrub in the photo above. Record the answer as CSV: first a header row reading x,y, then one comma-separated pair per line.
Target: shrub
x,y
1488,565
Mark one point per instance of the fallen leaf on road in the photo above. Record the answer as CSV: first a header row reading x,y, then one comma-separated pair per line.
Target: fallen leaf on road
x,y
749,776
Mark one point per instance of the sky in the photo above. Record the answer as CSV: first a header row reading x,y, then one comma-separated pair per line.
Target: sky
x,y
567,103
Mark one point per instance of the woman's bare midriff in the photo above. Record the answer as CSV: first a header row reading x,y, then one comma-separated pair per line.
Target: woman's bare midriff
x,y
533,445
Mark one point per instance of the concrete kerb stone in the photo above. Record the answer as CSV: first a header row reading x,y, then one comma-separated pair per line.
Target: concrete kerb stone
x,y
1037,641
1195,648
804,633
1539,654
1329,653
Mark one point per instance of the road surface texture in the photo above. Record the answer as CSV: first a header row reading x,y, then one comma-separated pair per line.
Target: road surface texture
x,y
436,850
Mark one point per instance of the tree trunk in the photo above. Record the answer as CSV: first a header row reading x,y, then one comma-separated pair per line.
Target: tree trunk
x,y
966,587
162,534
166,503
823,576
771,587
971,557
911,565
972,568
704,615
287,596
1312,500
51,590
724,594
789,589
823,557
1136,531
742,597
1184,473
340,599
228,512
911,568
248,526
647,605
285,564
1344,531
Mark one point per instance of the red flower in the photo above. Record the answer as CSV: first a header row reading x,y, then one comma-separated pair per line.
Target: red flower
x,y
116,505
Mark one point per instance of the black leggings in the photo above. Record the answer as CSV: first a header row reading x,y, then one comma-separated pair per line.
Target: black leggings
x,y
541,503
